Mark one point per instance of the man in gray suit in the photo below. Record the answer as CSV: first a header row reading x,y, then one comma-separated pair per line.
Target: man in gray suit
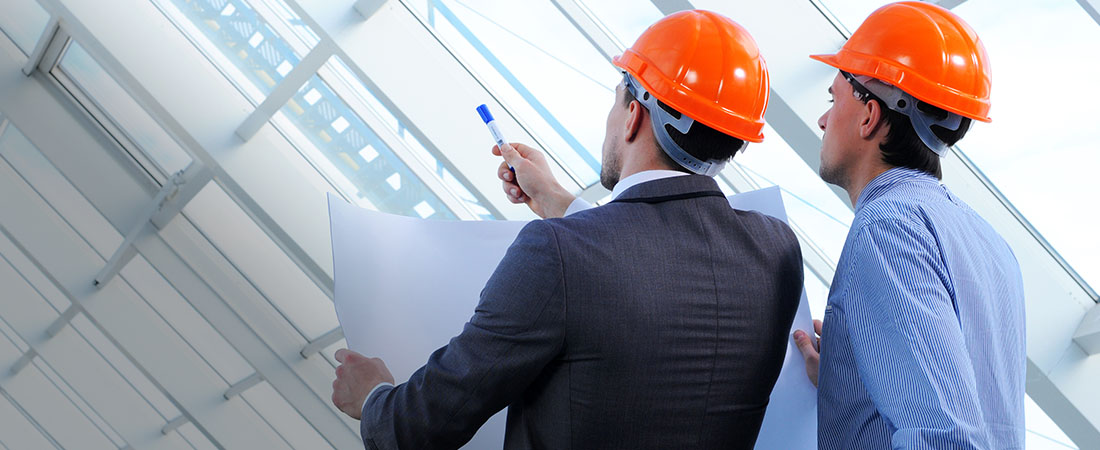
x,y
658,320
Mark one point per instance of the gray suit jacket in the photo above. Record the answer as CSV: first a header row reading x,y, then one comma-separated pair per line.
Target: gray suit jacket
x,y
658,320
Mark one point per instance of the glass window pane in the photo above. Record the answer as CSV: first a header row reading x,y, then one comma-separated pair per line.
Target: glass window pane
x,y
132,120
337,141
625,19
1040,149
240,40
810,203
538,64
23,22
362,99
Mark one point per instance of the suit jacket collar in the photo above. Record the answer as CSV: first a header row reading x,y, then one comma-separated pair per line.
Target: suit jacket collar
x,y
683,186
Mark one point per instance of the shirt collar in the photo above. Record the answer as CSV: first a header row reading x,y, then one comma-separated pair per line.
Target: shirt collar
x,y
642,177
888,179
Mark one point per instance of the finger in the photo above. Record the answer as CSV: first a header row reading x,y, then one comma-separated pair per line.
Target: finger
x,y
511,156
804,345
524,150
504,172
817,327
342,354
496,150
512,190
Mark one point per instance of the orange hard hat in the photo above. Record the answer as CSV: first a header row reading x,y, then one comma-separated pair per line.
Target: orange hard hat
x,y
705,66
924,50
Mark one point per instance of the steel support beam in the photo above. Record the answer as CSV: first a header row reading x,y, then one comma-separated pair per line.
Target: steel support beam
x,y
173,424
367,8
285,90
239,387
169,201
1087,335
23,361
590,28
322,342
949,3
36,56
1092,7
61,321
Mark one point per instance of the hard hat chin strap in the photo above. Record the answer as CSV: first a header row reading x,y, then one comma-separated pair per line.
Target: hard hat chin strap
x,y
659,118
900,101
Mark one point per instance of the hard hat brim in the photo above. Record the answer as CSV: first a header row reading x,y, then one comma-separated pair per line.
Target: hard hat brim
x,y
973,108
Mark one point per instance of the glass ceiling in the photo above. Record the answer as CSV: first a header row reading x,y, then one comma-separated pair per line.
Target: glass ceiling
x,y
545,71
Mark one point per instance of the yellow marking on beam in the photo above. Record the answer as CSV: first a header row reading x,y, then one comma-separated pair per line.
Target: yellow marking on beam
x,y
293,105
347,159
264,76
325,136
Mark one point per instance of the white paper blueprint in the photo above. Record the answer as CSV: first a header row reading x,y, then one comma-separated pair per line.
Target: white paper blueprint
x,y
405,286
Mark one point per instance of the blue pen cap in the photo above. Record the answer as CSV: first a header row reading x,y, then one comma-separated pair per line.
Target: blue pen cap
x,y
483,111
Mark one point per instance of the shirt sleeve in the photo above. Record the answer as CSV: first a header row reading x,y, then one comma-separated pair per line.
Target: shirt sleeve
x,y
907,340
516,330
579,204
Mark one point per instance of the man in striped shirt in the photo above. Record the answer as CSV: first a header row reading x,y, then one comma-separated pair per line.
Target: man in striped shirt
x,y
923,340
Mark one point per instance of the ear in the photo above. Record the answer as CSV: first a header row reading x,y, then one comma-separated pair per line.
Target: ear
x,y
873,119
635,115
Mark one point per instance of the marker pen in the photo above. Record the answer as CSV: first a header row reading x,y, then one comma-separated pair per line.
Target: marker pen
x,y
487,117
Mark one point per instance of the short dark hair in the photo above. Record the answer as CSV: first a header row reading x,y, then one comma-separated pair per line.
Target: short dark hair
x,y
902,146
700,141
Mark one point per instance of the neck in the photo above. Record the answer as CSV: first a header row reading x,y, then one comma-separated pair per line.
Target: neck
x,y
861,179
641,161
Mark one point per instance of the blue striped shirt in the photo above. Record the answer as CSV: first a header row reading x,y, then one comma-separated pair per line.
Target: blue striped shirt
x,y
923,340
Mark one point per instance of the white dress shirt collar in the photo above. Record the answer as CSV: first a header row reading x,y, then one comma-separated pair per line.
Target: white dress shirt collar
x,y
642,177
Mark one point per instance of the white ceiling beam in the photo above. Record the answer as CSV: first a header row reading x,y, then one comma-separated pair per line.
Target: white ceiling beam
x,y
23,361
590,27
143,336
1087,335
401,84
315,346
121,41
62,320
173,425
367,8
239,387
166,204
1092,7
285,90
36,56
949,3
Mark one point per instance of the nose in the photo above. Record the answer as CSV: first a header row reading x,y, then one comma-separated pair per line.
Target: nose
x,y
821,120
